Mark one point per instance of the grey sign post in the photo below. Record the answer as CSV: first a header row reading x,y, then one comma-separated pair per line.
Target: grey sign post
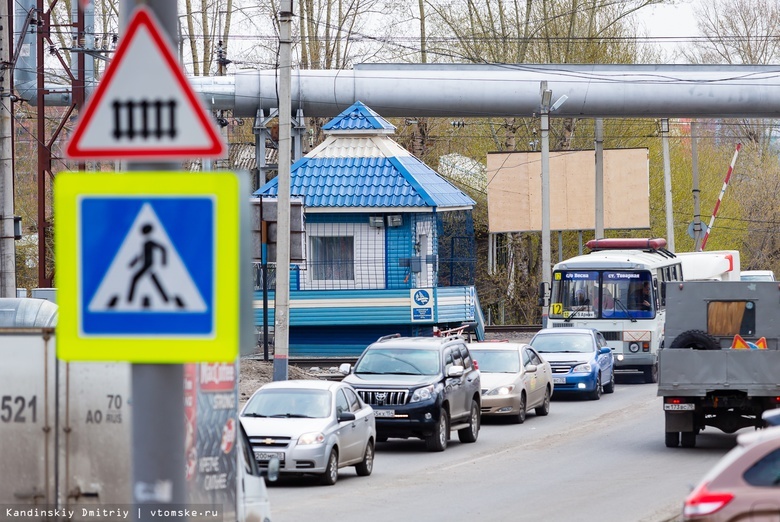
x,y
158,435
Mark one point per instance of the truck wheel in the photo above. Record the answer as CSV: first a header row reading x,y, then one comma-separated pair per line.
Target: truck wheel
x,y
672,439
437,441
471,433
696,339
688,439
651,373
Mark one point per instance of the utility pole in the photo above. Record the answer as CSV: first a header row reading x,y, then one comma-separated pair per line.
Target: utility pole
x,y
282,300
599,218
7,247
668,185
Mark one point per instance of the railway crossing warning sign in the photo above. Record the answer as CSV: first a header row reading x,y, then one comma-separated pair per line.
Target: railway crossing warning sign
x,y
148,266
144,107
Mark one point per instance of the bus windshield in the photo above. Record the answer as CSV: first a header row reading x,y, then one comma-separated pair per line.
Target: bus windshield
x,y
605,294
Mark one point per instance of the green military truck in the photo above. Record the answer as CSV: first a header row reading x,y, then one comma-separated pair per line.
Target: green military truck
x,y
702,379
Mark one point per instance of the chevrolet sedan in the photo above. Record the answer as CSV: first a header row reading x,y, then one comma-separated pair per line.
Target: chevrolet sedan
x,y
515,379
580,359
312,427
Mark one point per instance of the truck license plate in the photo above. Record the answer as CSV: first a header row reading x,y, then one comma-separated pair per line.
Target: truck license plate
x,y
384,413
268,455
679,407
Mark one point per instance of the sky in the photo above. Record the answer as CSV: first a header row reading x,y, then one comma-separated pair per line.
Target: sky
x,y
673,21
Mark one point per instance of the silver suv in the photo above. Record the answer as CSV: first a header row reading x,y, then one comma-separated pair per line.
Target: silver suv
x,y
420,387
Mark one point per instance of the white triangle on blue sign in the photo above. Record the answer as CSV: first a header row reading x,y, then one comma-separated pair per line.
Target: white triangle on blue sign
x,y
147,273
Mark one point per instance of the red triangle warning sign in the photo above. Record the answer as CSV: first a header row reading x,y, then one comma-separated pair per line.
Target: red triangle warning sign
x,y
144,107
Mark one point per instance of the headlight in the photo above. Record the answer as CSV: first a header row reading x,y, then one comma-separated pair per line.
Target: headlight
x,y
315,437
503,390
582,368
422,394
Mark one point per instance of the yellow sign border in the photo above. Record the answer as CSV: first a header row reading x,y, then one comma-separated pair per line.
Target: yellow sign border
x,y
223,345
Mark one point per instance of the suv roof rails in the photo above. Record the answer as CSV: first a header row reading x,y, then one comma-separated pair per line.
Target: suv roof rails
x,y
386,337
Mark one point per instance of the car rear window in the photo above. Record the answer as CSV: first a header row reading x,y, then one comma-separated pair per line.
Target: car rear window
x,y
765,472
497,361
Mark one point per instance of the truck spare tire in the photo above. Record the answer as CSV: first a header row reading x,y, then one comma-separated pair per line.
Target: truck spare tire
x,y
696,339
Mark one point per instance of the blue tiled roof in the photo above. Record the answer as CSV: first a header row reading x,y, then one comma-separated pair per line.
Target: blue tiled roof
x,y
369,182
342,174
358,117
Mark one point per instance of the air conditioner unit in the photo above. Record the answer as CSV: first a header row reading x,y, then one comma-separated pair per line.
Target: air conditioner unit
x,y
376,221
395,220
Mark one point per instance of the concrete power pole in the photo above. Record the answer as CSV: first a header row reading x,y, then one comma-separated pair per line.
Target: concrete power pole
x,y
7,247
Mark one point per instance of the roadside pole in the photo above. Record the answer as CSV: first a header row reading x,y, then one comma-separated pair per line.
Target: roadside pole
x,y
7,247
282,296
158,463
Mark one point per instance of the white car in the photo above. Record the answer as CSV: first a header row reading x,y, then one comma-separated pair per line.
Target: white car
x,y
312,427
515,379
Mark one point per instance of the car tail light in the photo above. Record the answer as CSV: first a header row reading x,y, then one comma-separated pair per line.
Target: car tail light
x,y
476,364
777,400
703,502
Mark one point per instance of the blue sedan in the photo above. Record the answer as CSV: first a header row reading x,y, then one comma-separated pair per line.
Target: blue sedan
x,y
580,359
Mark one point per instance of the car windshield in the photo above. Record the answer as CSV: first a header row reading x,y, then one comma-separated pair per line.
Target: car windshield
x,y
289,403
400,361
561,343
497,361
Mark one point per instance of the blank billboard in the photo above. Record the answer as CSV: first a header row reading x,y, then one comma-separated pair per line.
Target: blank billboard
x,y
515,190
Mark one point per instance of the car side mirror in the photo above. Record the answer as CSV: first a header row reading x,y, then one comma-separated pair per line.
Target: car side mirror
x,y
455,371
605,349
345,416
531,368
345,368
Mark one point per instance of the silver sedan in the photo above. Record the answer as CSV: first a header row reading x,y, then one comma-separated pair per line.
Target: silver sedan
x,y
514,379
312,427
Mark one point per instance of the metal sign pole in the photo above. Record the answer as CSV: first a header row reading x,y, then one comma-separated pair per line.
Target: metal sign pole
x,y
158,433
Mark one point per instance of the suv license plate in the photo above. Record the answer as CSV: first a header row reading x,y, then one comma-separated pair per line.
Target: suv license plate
x,y
679,407
384,413
559,380
268,455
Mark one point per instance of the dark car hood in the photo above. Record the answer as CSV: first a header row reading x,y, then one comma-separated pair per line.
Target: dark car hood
x,y
400,381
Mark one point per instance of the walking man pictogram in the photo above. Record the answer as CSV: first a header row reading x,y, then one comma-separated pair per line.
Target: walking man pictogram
x,y
147,258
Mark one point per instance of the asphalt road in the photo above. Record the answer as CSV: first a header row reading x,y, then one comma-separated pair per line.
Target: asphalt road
x,y
587,461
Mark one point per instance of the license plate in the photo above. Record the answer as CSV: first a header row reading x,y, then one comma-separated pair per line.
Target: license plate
x,y
384,413
559,380
268,455
679,407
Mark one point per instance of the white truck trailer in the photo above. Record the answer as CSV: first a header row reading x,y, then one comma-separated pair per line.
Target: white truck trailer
x,y
702,379
65,431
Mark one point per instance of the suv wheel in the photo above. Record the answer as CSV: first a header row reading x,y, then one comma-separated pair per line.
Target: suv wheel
x,y
437,441
471,433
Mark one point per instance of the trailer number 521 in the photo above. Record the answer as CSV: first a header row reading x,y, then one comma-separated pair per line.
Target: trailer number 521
x,y
18,409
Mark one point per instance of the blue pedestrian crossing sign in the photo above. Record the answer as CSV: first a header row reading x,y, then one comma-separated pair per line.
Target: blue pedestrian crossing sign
x,y
148,267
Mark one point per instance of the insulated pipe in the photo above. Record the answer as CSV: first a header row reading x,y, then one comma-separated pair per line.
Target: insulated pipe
x,y
475,90
594,91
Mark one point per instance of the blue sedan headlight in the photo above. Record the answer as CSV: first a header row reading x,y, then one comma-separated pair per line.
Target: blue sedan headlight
x,y
582,368
422,394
